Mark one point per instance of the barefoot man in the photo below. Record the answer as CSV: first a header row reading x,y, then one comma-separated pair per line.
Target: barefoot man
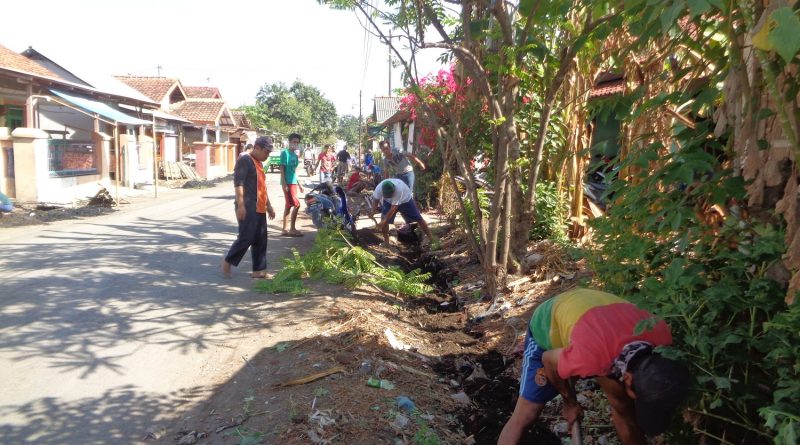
x,y
252,206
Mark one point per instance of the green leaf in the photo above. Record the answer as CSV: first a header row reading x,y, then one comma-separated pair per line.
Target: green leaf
x,y
698,7
526,6
670,16
785,37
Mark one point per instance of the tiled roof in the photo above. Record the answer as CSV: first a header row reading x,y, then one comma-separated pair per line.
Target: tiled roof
x,y
608,89
155,88
202,92
386,107
607,84
241,119
17,62
199,111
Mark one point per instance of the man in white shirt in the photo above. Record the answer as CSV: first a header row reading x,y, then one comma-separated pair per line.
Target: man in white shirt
x,y
396,196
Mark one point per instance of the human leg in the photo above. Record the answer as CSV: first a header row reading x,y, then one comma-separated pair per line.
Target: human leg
x,y
258,250
244,240
534,392
385,206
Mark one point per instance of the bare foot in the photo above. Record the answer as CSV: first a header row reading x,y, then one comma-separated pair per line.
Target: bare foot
x,y
259,274
226,269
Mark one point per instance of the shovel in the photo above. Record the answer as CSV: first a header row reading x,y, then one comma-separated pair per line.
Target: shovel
x,y
577,439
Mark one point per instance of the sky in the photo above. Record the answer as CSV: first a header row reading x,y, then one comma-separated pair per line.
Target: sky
x,y
235,45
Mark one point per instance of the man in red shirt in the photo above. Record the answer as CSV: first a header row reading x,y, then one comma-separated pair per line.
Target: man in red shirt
x,y
326,163
587,333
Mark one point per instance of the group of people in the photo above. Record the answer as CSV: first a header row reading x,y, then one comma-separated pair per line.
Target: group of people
x,y
393,195
578,334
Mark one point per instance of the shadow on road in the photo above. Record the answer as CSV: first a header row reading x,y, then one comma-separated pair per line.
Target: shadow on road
x,y
80,307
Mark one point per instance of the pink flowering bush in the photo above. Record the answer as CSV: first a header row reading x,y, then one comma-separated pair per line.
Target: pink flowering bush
x,y
440,98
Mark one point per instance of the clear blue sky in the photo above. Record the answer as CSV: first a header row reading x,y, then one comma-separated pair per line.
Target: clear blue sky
x,y
236,45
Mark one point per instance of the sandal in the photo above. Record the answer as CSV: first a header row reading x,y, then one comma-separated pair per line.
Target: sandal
x,y
295,234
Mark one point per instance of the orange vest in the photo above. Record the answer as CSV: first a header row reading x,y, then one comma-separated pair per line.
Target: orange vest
x,y
261,194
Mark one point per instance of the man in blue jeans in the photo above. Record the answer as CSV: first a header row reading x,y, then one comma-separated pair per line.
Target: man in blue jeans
x,y
396,197
398,164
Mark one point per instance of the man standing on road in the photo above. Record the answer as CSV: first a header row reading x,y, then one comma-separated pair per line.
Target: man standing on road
x,y
252,206
398,164
309,159
588,333
395,196
291,186
344,163
326,163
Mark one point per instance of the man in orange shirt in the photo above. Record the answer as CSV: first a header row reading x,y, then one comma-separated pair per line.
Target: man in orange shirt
x,y
252,206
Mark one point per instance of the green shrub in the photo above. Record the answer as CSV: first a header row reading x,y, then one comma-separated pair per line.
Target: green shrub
x,y
711,283
550,222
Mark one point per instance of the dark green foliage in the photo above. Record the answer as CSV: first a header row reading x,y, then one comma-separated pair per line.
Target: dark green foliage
x,y
710,282
549,222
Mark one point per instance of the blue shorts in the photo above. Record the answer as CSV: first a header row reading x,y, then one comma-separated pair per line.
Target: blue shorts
x,y
407,209
533,384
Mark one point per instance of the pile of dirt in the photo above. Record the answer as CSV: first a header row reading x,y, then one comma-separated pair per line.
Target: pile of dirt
x,y
24,214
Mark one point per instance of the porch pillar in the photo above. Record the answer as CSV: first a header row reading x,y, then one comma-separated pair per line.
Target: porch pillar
x,y
31,169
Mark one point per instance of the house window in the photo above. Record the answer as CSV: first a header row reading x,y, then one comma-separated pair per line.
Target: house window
x,y
8,153
14,118
71,158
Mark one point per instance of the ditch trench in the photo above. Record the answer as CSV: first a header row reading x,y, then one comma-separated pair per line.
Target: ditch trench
x,y
487,378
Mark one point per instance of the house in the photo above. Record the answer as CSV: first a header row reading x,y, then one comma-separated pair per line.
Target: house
x,y
388,115
202,122
169,126
64,135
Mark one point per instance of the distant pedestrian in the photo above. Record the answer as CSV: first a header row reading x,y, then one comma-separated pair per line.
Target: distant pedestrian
x,y
369,160
326,162
252,206
397,164
291,186
343,166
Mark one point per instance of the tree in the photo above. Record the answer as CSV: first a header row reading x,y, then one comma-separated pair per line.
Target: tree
x,y
299,108
348,129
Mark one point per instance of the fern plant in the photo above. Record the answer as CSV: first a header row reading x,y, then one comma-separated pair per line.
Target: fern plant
x,y
335,260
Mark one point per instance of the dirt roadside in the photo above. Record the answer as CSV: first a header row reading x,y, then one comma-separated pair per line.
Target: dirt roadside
x,y
450,359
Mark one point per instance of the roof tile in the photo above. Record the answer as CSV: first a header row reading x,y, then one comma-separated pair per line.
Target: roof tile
x,y
202,92
199,111
156,88
17,62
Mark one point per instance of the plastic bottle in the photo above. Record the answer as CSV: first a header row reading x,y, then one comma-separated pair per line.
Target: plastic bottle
x,y
375,383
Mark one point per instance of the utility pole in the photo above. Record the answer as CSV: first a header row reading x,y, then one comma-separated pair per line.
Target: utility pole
x,y
159,70
360,135
390,62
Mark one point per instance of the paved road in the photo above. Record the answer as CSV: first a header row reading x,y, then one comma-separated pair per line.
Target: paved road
x,y
108,324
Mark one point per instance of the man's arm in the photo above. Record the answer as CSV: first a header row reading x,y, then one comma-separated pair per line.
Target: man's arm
x,y
622,412
241,212
416,160
572,409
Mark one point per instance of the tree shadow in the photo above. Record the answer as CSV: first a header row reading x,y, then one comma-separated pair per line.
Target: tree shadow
x,y
79,307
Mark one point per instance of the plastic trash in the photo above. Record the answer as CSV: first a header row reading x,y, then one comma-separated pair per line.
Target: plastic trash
x,y
376,383
406,404
5,203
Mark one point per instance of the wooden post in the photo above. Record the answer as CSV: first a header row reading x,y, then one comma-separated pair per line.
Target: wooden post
x,y
155,157
116,161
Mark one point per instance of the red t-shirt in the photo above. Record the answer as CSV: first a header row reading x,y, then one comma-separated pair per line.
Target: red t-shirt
x,y
355,177
592,327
